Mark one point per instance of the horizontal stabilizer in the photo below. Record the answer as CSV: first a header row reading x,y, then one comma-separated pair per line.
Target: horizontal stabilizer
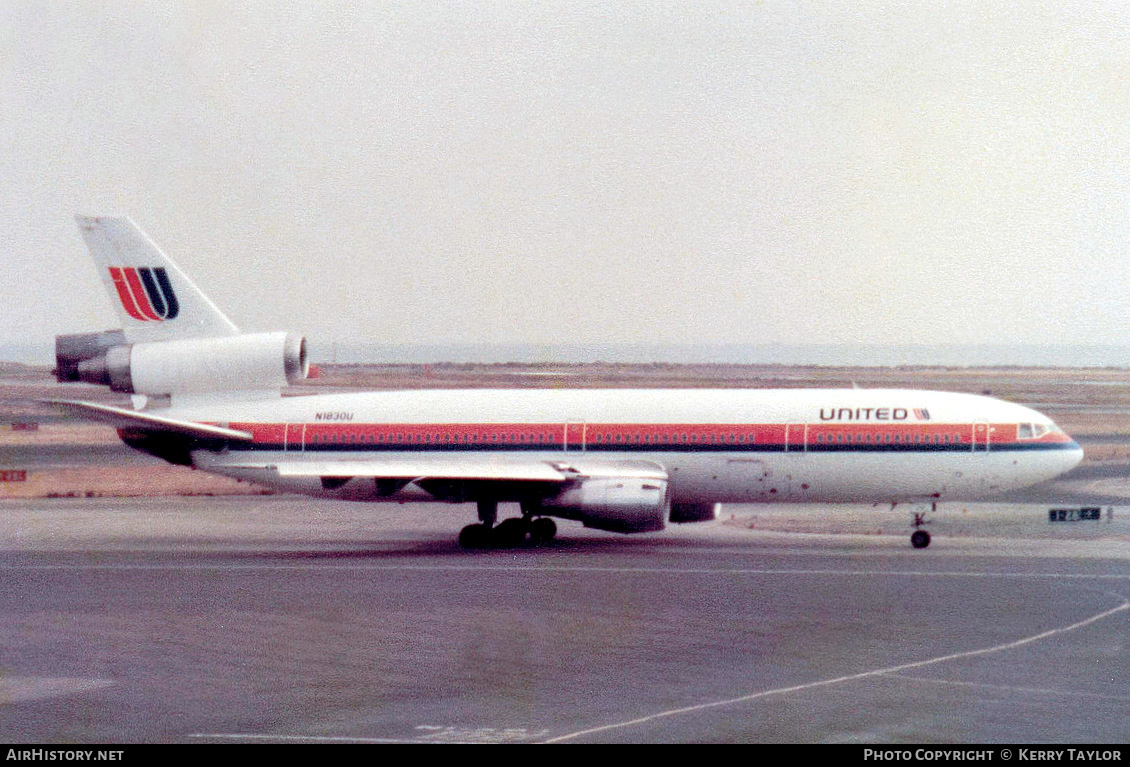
x,y
122,418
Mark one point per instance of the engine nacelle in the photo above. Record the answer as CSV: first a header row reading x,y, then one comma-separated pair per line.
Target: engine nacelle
x,y
188,366
694,512
73,350
621,504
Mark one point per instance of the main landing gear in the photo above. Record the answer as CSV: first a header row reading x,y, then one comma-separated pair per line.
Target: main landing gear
x,y
509,533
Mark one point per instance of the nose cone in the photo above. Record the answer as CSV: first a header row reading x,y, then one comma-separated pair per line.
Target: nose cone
x,y
1072,456
1053,454
1062,456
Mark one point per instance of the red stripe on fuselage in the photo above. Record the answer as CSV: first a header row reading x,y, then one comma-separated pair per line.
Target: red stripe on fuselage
x,y
553,435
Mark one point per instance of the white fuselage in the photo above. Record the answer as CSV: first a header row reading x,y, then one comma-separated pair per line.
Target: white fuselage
x,y
866,445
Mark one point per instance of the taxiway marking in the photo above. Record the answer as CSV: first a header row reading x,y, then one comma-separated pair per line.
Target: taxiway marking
x,y
838,680
1010,688
18,689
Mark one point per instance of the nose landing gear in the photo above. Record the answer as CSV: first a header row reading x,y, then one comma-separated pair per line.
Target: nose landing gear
x,y
920,539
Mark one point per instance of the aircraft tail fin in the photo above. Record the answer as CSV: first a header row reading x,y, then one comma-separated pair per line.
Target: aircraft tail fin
x,y
154,298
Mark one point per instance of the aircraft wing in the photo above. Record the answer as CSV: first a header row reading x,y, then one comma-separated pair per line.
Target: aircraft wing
x,y
534,471
122,418
463,467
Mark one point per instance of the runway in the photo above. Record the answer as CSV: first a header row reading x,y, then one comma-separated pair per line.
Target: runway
x,y
285,619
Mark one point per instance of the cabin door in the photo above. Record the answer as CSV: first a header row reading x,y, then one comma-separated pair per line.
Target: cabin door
x,y
295,437
980,437
574,438
796,435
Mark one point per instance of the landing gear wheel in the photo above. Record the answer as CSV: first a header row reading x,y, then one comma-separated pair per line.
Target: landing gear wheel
x,y
510,533
920,539
475,537
488,512
542,530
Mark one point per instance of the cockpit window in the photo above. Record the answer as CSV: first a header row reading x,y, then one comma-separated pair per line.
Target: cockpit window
x,y
1036,430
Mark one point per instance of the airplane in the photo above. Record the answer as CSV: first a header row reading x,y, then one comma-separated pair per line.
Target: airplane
x,y
209,396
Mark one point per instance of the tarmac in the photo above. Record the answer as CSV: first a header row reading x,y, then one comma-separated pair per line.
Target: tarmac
x,y
286,619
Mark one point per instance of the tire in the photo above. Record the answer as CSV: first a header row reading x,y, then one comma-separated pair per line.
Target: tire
x,y
509,533
474,537
542,530
920,539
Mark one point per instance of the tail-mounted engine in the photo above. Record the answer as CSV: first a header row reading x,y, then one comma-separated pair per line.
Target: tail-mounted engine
x,y
250,361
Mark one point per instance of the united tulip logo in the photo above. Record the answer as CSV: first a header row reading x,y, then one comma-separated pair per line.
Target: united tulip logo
x,y
145,292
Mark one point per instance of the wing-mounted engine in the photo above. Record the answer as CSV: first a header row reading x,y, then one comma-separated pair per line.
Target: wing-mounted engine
x,y
682,513
621,499
244,362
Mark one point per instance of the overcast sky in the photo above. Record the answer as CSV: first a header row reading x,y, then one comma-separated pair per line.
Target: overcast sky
x,y
581,172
